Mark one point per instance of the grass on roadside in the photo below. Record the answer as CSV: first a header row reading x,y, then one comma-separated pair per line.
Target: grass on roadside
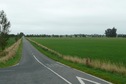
x,y
109,76
14,60
11,41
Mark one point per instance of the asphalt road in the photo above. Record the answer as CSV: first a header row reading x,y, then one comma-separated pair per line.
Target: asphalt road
x,y
36,68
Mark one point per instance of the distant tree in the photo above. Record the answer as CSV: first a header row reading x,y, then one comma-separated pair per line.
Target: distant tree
x,y
66,35
4,30
111,32
108,32
114,34
122,35
83,35
21,34
12,35
75,35
18,36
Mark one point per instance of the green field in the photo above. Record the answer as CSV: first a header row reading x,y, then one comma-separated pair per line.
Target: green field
x,y
107,49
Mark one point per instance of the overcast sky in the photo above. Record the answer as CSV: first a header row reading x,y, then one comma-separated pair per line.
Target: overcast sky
x,y
65,16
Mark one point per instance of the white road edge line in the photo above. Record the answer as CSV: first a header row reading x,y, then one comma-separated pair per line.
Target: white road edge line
x,y
51,70
87,74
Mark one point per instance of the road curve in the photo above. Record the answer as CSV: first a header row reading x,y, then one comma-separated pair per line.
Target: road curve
x,y
36,68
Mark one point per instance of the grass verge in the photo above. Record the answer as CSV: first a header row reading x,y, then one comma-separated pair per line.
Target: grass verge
x,y
14,60
11,41
109,76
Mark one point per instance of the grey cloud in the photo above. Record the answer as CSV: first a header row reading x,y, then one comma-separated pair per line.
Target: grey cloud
x,y
65,16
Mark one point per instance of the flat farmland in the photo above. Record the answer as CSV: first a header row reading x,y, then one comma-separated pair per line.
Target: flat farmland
x,y
102,57
106,49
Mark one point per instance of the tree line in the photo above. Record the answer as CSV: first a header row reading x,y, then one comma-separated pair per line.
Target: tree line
x,y
113,33
110,32
60,36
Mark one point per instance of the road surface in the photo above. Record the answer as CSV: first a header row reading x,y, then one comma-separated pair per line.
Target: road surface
x,y
36,68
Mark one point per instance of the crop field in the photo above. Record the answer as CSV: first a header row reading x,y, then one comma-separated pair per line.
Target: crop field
x,y
102,57
106,49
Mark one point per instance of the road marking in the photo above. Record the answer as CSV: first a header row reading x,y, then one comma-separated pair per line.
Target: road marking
x,y
94,77
51,70
81,80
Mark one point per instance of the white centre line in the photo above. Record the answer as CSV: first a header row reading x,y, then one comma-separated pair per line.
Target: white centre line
x,y
52,70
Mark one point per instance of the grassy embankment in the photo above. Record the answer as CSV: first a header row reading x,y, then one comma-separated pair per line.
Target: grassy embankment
x,y
102,57
12,53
